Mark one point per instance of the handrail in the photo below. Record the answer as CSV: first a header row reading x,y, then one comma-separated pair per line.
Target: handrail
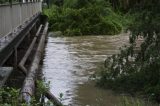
x,y
17,3
13,16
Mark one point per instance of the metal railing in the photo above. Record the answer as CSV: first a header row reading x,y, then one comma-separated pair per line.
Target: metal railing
x,y
12,16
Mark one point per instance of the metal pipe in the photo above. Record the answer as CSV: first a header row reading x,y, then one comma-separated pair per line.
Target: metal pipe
x,y
53,99
22,62
28,88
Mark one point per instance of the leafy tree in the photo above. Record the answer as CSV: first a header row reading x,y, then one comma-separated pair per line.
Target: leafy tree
x,y
132,70
84,17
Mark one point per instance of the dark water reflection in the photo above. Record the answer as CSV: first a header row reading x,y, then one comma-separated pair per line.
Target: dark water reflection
x,y
69,62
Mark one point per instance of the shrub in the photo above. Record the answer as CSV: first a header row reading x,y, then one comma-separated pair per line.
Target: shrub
x,y
85,17
138,71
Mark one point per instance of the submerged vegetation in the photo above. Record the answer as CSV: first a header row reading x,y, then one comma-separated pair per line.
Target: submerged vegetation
x,y
138,71
85,17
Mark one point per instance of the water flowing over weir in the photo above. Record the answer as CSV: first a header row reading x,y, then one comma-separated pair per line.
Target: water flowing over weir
x,y
69,62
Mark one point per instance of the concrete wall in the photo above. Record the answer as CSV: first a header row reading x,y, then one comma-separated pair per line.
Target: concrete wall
x,y
12,16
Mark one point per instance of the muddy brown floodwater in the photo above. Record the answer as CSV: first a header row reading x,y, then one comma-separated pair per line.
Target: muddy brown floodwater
x,y
70,61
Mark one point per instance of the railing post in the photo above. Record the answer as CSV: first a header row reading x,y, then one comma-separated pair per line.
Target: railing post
x,y
10,2
14,15
20,2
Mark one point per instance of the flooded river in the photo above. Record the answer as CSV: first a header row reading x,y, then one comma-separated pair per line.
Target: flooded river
x,y
70,61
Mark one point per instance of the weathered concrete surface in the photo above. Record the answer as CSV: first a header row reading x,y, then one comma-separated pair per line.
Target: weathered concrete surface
x,y
11,42
4,74
11,17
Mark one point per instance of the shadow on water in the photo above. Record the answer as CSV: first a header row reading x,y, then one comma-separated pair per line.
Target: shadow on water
x,y
69,62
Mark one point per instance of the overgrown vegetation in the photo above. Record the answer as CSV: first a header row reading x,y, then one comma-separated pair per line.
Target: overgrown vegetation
x,y
138,71
84,17
130,71
11,97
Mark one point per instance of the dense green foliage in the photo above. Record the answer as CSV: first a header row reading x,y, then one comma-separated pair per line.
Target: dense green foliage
x,y
11,96
84,17
138,72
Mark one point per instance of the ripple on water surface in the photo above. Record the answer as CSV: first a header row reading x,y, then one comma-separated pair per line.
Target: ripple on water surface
x,y
68,63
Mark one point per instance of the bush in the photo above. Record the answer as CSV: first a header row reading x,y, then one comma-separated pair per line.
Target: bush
x,y
88,17
138,71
